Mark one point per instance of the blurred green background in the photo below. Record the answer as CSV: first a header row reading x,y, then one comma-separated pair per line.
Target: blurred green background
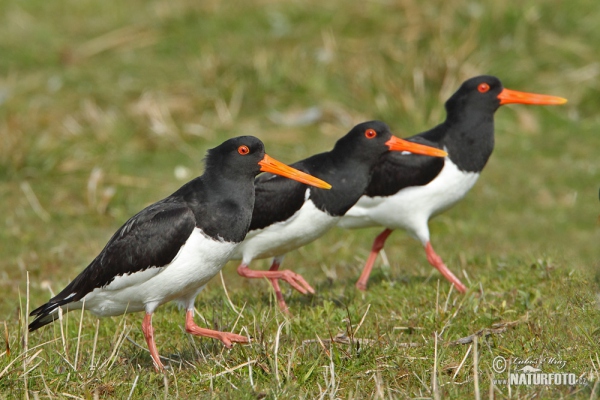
x,y
106,107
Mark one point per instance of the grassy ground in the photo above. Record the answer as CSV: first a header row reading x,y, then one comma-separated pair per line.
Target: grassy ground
x,y
103,104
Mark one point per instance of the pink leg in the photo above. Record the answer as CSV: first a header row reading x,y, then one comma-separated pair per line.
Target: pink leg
x,y
275,282
295,280
437,262
378,244
149,335
225,337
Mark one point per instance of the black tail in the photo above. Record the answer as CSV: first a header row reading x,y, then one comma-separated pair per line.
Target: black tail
x,y
45,314
48,312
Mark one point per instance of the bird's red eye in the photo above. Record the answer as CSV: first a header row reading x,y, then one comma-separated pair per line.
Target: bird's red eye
x,y
370,133
483,87
243,150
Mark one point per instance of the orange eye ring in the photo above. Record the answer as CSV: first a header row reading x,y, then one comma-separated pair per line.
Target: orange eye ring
x,y
370,133
483,87
243,150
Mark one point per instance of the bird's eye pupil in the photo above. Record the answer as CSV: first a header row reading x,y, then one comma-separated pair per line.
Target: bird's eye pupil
x,y
483,87
243,150
370,133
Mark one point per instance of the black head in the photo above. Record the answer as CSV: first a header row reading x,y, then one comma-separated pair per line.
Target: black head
x,y
479,94
236,157
484,94
243,157
368,141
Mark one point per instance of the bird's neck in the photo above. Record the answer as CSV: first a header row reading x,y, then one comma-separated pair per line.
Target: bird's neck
x,y
228,203
349,178
469,141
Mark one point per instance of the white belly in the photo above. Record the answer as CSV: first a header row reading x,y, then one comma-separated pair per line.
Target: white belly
x,y
306,225
411,208
197,262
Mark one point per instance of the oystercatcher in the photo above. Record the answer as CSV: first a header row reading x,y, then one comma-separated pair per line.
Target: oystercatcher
x,y
172,248
405,191
288,215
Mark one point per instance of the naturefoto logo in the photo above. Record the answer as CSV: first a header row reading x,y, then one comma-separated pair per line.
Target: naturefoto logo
x,y
524,372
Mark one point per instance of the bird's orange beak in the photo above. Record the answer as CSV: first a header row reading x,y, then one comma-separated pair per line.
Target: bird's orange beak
x,y
397,144
269,164
508,96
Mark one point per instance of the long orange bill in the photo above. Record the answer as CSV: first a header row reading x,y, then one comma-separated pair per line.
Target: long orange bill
x,y
508,96
269,164
397,144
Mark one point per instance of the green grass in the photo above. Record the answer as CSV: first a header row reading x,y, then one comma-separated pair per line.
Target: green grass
x,y
134,90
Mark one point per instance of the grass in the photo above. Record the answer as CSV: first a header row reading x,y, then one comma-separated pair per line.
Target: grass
x,y
101,102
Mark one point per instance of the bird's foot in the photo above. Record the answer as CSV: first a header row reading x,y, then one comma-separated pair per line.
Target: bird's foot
x,y
295,280
226,337
361,286
438,263
229,338
280,300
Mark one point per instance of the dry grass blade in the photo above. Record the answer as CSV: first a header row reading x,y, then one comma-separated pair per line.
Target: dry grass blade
x,y
434,381
277,338
34,202
79,334
62,332
250,377
342,338
462,362
323,346
113,356
70,396
92,366
131,36
26,339
362,319
594,394
34,367
9,365
448,299
230,370
24,354
476,368
166,385
494,330
133,387
6,340
148,351
227,294
333,387
46,388
29,360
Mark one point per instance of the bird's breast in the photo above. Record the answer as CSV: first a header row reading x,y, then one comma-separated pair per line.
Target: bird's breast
x,y
412,203
306,225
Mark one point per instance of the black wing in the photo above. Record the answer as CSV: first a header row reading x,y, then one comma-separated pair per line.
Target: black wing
x,y
151,238
396,171
276,198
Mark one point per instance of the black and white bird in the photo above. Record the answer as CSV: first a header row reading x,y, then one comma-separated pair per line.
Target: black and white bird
x,y
172,248
407,190
288,215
